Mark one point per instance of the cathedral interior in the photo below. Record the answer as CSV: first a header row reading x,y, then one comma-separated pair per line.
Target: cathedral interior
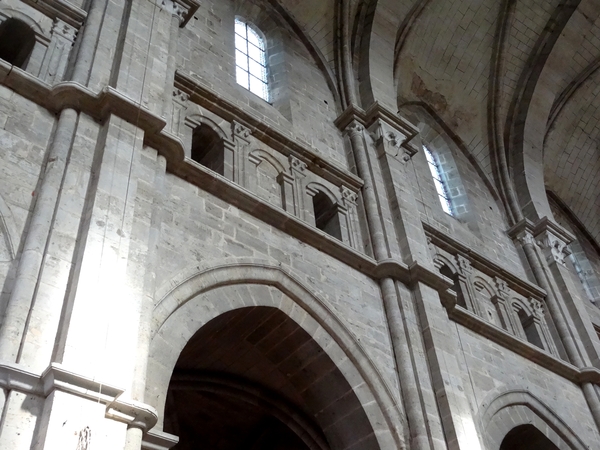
x,y
300,224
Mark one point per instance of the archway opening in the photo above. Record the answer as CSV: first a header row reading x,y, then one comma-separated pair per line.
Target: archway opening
x,y
326,215
253,378
208,148
16,42
526,437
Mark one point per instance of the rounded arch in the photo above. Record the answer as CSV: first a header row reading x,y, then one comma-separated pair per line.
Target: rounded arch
x,y
520,304
509,409
14,14
198,119
260,155
483,285
315,187
194,300
441,260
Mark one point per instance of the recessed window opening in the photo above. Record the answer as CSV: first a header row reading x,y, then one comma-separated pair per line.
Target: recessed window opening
x,y
208,148
326,215
438,180
531,332
16,42
251,59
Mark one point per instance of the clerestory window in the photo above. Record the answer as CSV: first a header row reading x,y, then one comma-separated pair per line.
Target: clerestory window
x,y
438,180
251,59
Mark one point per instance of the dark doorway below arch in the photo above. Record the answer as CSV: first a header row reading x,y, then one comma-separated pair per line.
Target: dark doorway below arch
x,y
526,437
252,378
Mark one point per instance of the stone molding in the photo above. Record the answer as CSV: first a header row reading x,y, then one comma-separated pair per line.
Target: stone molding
x,y
550,237
60,9
280,140
388,140
378,114
56,377
483,264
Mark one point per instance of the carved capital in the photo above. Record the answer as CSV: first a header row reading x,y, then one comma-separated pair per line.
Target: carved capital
x,y
464,266
349,197
354,128
182,9
555,249
525,238
180,96
297,166
537,307
240,131
502,289
64,30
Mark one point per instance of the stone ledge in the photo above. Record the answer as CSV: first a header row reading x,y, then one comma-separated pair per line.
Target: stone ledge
x,y
483,263
285,144
60,9
57,378
524,349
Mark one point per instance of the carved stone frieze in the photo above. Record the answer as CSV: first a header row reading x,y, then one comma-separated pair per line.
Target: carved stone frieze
x,y
240,131
464,265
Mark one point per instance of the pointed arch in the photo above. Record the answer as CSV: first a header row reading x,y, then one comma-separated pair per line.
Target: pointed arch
x,y
188,305
509,409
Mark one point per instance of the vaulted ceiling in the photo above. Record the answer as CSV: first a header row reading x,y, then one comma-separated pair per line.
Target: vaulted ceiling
x,y
516,81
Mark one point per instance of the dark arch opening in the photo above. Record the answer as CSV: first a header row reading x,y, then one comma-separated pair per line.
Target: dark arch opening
x,y
526,437
252,378
326,215
208,148
531,332
16,42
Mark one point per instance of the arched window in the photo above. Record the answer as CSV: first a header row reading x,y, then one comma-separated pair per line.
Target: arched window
x,y
251,59
16,42
438,179
208,149
326,215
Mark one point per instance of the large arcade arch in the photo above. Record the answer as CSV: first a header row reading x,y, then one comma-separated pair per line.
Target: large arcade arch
x,y
256,325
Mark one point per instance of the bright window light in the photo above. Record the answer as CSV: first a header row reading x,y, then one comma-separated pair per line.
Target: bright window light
x,y
440,184
250,60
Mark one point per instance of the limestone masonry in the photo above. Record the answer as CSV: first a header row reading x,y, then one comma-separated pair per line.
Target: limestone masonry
x,y
299,224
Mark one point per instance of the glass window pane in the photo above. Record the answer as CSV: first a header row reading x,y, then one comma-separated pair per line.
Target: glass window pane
x,y
242,77
258,87
429,156
256,54
255,39
446,205
241,60
240,28
257,70
439,187
241,44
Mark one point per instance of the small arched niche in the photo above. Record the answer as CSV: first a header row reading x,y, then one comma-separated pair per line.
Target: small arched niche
x,y
17,40
326,214
527,437
208,148
530,329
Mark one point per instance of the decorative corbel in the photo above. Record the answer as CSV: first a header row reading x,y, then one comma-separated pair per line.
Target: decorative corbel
x,y
391,142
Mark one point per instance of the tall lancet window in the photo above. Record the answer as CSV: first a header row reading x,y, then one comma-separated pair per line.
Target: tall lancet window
x,y
251,59
438,180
